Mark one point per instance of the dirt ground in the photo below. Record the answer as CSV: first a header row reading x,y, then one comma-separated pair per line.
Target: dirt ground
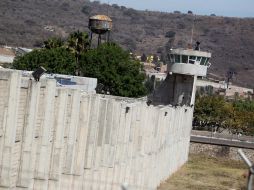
x,y
202,172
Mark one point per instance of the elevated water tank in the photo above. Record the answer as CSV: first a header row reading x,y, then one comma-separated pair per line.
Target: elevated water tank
x,y
100,24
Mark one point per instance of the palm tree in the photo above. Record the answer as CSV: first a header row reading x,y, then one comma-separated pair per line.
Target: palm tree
x,y
52,43
78,43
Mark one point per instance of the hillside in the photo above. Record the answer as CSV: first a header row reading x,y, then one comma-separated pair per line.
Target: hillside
x,y
231,40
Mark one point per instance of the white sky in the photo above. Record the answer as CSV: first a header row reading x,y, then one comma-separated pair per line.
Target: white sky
x,y
234,8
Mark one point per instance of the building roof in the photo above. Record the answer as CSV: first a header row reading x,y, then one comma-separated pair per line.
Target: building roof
x,y
6,52
191,52
101,17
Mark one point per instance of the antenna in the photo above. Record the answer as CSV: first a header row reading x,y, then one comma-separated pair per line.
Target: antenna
x,y
108,9
192,29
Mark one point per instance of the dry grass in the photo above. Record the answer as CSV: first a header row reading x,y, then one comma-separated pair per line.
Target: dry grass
x,y
202,172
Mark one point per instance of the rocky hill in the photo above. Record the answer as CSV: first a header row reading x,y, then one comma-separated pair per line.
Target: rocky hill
x,y
231,40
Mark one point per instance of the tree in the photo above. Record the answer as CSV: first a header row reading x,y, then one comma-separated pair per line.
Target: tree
x,y
56,60
210,112
78,43
115,6
56,51
86,9
177,12
52,43
115,70
244,116
165,53
215,112
170,34
118,72
150,83
144,58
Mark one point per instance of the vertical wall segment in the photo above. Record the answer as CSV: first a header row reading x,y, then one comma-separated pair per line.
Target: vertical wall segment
x,y
27,155
9,99
56,160
68,139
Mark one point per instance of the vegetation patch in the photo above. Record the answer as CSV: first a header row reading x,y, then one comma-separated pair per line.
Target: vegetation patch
x,y
203,172
216,113
118,72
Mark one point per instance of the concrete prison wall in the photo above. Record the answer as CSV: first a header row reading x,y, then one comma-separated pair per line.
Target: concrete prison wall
x,y
59,138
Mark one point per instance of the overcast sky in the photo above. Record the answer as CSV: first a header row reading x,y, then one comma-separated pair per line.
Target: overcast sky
x,y
234,8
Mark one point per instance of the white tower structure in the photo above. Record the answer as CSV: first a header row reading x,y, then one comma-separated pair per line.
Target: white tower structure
x,y
179,88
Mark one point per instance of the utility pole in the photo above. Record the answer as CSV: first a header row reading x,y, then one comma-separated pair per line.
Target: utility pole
x,y
251,169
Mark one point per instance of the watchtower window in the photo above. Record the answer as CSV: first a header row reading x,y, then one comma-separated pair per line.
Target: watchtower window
x,y
192,59
207,61
177,59
203,61
184,59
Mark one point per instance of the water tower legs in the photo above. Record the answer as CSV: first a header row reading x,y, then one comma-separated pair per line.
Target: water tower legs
x,y
91,38
108,37
99,39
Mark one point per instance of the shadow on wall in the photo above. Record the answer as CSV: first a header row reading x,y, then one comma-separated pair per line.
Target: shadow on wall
x,y
175,90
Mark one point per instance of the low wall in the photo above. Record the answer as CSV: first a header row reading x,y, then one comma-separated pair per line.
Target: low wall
x,y
220,151
59,138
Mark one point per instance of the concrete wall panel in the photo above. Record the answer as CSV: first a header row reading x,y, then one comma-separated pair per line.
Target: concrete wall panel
x,y
8,128
27,155
62,138
72,133
58,135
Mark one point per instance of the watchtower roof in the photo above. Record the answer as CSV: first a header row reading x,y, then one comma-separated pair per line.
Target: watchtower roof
x,y
191,52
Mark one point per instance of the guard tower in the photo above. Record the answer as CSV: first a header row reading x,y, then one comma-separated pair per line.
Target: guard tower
x,y
179,88
100,25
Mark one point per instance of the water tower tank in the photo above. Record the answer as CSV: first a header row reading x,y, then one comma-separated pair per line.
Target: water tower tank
x,y
100,24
